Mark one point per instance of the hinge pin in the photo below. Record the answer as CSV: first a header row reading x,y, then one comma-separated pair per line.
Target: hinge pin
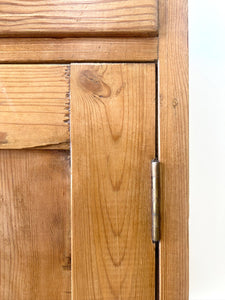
x,y
155,179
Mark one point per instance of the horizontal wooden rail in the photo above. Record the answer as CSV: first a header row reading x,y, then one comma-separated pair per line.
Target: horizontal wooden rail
x,y
26,50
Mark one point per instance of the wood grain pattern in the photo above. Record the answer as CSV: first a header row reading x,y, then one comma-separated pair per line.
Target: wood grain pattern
x,y
34,225
87,17
26,50
113,142
173,58
34,106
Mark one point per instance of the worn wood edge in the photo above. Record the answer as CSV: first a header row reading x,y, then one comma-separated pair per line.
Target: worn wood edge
x,y
61,146
174,149
36,50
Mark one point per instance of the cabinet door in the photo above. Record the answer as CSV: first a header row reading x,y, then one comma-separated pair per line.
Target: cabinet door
x,y
106,114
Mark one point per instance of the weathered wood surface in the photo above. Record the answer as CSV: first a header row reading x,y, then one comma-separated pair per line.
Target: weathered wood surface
x,y
34,225
34,106
87,17
173,59
113,142
27,50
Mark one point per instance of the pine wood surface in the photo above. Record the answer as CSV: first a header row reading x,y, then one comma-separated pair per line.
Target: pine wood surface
x,y
87,17
34,106
27,50
34,225
113,142
173,62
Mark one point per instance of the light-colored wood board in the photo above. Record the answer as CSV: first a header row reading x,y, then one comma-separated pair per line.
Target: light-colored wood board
x,y
69,18
35,250
26,50
113,142
173,59
34,106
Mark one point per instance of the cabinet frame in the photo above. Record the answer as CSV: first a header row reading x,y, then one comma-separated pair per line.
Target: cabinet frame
x,y
170,51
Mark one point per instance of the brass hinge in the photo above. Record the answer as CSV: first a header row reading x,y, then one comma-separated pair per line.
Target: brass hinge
x,y
155,179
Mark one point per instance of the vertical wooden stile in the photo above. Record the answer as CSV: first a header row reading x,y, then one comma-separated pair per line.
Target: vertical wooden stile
x,y
112,145
173,62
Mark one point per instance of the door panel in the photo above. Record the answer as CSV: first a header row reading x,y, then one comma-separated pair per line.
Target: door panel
x,y
78,18
112,144
34,225
34,106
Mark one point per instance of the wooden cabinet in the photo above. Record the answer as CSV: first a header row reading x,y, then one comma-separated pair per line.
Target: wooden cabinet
x,y
90,93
